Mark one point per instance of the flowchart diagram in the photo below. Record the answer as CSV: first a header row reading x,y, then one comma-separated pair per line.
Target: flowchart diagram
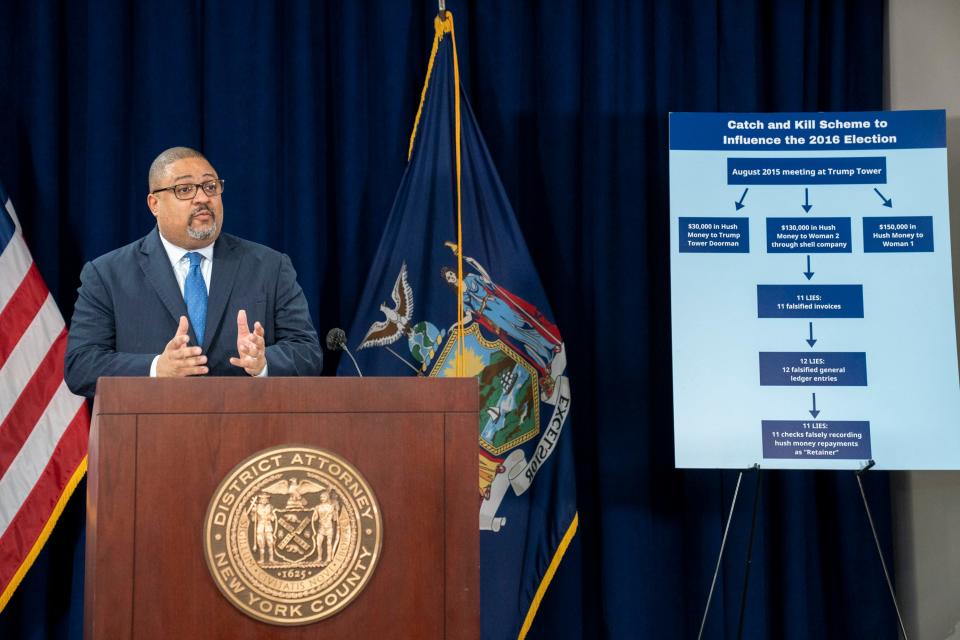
x,y
812,291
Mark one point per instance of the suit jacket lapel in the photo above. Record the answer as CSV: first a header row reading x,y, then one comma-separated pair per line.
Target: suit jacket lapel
x,y
226,263
156,268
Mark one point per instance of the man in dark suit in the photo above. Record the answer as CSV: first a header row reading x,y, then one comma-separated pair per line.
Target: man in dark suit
x,y
178,302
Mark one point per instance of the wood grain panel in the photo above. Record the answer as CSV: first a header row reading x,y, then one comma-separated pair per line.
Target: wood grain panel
x,y
154,470
111,506
286,395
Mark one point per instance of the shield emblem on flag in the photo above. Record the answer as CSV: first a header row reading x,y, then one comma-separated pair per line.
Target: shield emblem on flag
x,y
509,388
296,540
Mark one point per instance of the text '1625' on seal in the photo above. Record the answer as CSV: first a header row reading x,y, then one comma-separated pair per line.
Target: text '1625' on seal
x,y
292,535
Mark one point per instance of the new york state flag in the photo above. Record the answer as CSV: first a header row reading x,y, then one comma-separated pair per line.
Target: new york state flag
x,y
409,321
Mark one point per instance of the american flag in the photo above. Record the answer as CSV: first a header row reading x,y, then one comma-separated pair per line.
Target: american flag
x,y
43,427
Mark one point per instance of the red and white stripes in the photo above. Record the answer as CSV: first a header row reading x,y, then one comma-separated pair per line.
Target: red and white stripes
x,y
43,427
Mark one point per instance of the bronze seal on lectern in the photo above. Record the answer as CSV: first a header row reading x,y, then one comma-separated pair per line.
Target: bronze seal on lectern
x,y
292,535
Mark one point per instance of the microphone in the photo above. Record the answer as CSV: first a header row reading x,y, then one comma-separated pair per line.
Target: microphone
x,y
337,341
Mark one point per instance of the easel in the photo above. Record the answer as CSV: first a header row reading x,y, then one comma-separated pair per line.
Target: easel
x,y
749,559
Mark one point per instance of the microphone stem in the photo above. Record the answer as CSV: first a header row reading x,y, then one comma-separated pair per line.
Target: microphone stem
x,y
355,365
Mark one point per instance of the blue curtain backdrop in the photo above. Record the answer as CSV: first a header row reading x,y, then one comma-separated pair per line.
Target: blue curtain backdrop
x,y
306,108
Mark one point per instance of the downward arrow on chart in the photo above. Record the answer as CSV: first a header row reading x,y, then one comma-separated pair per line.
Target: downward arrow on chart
x,y
806,201
887,202
739,205
811,341
814,411
808,273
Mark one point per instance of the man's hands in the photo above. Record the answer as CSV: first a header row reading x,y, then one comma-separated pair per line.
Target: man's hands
x,y
250,346
178,360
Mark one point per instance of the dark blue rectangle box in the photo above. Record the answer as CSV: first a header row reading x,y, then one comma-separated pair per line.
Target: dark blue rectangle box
x,y
809,300
813,368
813,235
898,234
807,171
816,439
919,129
714,235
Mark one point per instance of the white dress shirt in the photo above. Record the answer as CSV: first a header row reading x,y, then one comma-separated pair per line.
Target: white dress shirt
x,y
181,263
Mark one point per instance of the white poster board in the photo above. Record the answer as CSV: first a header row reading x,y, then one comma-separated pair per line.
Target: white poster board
x,y
812,291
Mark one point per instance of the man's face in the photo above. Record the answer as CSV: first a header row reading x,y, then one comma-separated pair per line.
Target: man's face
x,y
190,224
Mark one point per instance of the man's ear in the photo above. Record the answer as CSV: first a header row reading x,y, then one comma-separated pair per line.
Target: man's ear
x,y
152,204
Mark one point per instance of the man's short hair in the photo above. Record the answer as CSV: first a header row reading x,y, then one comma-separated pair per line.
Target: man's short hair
x,y
159,166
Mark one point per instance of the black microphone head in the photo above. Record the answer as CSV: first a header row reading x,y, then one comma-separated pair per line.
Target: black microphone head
x,y
336,339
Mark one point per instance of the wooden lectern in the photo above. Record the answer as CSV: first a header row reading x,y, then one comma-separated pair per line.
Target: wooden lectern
x,y
159,449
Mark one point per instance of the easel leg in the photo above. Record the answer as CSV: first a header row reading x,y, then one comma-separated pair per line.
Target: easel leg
x,y
876,540
749,562
723,544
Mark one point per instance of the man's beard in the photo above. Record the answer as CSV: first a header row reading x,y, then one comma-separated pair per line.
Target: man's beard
x,y
202,234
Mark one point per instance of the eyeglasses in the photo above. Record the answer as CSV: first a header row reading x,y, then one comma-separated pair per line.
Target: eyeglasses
x,y
188,191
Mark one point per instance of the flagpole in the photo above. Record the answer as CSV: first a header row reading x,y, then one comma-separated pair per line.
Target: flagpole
x,y
442,24
447,18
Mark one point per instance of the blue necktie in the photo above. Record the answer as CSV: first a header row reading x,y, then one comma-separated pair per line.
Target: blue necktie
x,y
195,295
